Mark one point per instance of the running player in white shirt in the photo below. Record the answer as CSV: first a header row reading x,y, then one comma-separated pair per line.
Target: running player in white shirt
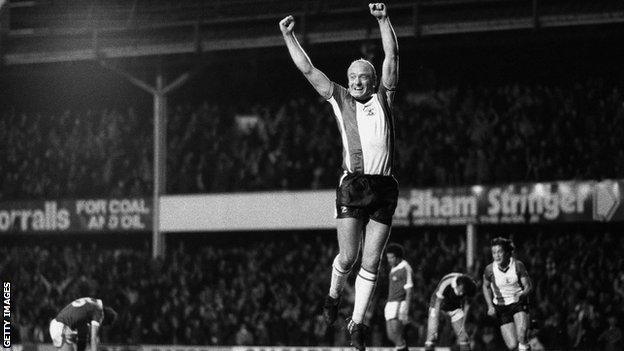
x,y
368,192
506,286
400,288
451,297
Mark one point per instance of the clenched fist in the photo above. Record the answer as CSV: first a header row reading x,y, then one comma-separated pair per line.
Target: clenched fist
x,y
379,10
287,24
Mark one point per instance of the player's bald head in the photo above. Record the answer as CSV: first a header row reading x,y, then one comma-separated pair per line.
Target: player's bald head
x,y
365,65
362,79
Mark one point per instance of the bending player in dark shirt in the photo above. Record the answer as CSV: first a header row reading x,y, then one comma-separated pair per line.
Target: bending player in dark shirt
x,y
451,297
79,321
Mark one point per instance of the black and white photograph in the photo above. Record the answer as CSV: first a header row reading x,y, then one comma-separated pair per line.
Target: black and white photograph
x,y
312,175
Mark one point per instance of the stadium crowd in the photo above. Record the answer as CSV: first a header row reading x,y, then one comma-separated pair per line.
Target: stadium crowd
x,y
268,291
73,154
454,136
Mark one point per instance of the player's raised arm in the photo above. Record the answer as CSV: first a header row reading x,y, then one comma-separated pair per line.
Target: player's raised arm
x,y
390,68
318,79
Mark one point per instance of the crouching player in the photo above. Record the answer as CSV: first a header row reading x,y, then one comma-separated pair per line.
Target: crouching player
x,y
451,297
79,321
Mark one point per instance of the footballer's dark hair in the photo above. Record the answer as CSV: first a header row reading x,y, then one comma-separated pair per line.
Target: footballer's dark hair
x,y
506,244
396,250
470,286
109,316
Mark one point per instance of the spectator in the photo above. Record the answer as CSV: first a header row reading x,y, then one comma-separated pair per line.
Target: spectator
x,y
205,293
453,136
611,339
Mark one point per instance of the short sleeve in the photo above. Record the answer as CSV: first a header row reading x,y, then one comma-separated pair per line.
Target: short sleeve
x,y
409,282
521,269
339,93
386,94
444,283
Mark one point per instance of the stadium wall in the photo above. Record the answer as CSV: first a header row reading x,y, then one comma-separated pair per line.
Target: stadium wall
x,y
517,203
270,210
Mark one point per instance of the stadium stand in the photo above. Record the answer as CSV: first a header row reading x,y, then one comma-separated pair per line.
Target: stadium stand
x,y
73,154
524,93
455,136
223,292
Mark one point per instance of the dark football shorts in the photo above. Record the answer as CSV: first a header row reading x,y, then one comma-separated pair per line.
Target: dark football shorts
x,y
367,197
505,313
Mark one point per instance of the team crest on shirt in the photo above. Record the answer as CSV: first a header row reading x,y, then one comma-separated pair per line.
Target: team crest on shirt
x,y
369,110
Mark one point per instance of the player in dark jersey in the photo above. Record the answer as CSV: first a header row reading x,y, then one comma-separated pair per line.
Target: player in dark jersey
x,y
400,287
79,321
367,195
451,296
506,286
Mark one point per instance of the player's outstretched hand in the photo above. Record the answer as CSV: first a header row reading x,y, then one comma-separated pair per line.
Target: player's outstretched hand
x,y
378,9
287,24
491,312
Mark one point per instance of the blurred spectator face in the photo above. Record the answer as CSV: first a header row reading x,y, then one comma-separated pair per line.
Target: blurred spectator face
x,y
499,255
551,266
361,80
612,322
553,320
393,261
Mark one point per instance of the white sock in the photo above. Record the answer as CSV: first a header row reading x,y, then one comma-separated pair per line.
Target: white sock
x,y
523,347
338,278
364,287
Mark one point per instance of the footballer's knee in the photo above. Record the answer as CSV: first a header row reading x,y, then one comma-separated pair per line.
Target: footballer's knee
x,y
345,261
371,264
430,345
522,339
463,342
393,333
396,339
464,346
